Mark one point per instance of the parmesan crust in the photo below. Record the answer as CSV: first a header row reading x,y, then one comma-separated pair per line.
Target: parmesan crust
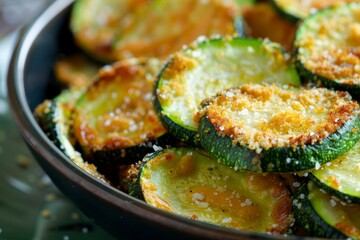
x,y
97,24
216,64
158,33
263,116
303,8
75,71
117,110
330,46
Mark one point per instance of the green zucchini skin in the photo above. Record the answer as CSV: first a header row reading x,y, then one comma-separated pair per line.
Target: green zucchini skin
x,y
278,159
131,154
306,216
285,14
189,182
54,119
340,177
120,91
318,80
135,186
183,134
185,131
312,27
332,191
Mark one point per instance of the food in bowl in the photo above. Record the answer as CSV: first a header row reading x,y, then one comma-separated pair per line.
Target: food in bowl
x,y
228,74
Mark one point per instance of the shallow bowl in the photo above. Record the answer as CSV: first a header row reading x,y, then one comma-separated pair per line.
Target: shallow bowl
x,y
29,83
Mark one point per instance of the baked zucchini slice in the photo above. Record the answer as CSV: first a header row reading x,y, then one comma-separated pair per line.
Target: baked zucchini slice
x,y
259,21
328,49
296,10
323,215
341,177
189,182
261,127
166,26
76,71
211,65
54,117
115,118
97,24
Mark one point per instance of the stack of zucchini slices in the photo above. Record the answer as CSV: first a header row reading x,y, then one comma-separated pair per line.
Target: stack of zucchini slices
x,y
240,100
235,131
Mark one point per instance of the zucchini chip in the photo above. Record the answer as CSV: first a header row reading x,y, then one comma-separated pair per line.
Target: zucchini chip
x,y
97,24
166,26
208,66
76,71
328,49
189,182
323,215
260,20
262,127
115,118
54,117
341,177
296,10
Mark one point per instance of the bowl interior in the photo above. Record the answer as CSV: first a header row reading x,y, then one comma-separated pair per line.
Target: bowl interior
x,y
30,81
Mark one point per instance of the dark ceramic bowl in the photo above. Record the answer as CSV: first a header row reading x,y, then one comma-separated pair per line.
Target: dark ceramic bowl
x,y
30,78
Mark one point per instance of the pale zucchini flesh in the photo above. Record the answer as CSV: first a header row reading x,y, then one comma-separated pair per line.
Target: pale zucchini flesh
x,y
212,65
54,117
117,112
97,24
341,177
323,215
188,182
166,26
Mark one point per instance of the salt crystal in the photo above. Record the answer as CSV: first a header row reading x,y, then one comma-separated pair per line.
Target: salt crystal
x,y
332,202
197,196
227,220
157,148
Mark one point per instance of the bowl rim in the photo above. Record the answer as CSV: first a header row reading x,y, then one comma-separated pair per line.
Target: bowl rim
x,y
38,141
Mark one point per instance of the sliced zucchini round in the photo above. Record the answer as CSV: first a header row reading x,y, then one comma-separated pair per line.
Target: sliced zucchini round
x,y
76,71
115,119
262,127
54,117
189,182
260,20
208,66
296,10
166,26
97,24
341,177
322,215
328,49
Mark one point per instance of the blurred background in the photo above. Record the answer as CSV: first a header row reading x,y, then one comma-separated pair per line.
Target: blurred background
x,y
14,13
